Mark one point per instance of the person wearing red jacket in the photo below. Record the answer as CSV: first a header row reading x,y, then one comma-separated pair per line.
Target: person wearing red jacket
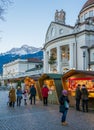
x,y
45,91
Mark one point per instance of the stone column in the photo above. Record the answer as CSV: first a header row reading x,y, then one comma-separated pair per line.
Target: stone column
x,y
44,62
45,65
48,69
71,63
58,59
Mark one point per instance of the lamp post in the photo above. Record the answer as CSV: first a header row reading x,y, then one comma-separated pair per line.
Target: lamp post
x,y
84,56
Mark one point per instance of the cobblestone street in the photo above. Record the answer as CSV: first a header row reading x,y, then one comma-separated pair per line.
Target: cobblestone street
x,y
39,117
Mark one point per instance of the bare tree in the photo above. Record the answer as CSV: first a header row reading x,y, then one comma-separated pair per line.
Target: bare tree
x,y
3,7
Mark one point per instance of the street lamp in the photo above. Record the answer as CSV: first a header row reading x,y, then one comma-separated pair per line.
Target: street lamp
x,y
84,56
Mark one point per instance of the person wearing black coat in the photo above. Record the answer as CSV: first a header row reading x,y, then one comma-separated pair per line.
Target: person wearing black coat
x,y
84,98
32,94
64,105
78,97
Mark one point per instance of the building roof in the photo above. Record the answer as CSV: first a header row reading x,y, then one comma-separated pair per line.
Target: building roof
x,y
73,72
33,69
51,76
87,4
35,60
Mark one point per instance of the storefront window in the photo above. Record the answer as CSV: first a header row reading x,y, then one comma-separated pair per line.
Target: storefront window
x,y
52,97
50,84
89,82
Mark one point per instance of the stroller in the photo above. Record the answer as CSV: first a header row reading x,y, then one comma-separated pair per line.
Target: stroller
x,y
9,102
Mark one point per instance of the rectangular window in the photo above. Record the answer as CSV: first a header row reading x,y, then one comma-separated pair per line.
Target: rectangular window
x,y
85,16
91,13
81,19
92,56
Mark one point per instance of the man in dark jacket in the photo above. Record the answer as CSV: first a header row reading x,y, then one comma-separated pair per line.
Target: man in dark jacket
x,y
33,93
85,98
78,97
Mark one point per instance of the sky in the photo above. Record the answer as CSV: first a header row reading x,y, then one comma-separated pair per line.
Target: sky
x,y
26,21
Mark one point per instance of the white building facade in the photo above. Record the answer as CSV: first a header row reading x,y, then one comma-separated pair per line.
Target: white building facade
x,y
22,67
72,47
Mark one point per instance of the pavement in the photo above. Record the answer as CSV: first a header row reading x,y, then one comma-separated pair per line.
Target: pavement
x,y
39,117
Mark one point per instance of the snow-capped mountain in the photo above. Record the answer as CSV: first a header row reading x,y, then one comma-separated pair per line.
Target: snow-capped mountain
x,y
23,50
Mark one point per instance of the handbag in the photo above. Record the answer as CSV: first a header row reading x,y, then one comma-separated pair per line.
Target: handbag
x,y
61,108
66,104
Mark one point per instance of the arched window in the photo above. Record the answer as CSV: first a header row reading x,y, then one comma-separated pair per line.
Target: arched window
x,y
52,32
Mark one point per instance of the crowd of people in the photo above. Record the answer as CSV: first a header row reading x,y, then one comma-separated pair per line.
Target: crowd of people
x,y
81,94
16,95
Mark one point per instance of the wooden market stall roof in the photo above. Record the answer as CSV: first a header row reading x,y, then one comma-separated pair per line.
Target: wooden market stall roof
x,y
57,80
51,75
73,72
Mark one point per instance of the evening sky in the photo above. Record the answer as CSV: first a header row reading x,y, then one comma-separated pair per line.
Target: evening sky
x,y
27,21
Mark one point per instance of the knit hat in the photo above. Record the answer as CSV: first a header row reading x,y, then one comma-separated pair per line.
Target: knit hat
x,y
64,92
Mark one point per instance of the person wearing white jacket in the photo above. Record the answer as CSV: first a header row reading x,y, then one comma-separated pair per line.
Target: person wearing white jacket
x,y
25,96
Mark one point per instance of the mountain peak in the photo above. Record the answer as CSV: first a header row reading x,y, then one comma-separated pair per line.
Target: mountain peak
x,y
24,52
24,49
24,46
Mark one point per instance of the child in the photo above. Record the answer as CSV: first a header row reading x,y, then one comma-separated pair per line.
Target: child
x,y
25,94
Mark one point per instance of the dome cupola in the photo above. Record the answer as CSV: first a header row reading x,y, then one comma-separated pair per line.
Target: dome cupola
x,y
87,12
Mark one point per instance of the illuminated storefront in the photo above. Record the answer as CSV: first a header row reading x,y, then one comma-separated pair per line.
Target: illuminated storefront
x,y
74,77
28,82
54,83
89,82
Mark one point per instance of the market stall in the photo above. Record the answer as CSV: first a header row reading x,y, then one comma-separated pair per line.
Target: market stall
x,y
28,81
74,77
54,84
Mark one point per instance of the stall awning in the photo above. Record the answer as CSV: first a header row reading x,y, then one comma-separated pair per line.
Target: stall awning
x,y
52,75
73,72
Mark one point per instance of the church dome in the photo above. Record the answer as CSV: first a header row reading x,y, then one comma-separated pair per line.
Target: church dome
x,y
87,11
88,4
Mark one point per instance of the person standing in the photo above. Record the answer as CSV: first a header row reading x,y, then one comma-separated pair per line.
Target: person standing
x,y
19,96
78,97
12,97
32,94
64,106
84,96
25,96
45,91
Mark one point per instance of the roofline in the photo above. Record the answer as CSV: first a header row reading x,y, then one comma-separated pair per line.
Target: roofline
x,y
58,24
67,36
63,25
77,71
